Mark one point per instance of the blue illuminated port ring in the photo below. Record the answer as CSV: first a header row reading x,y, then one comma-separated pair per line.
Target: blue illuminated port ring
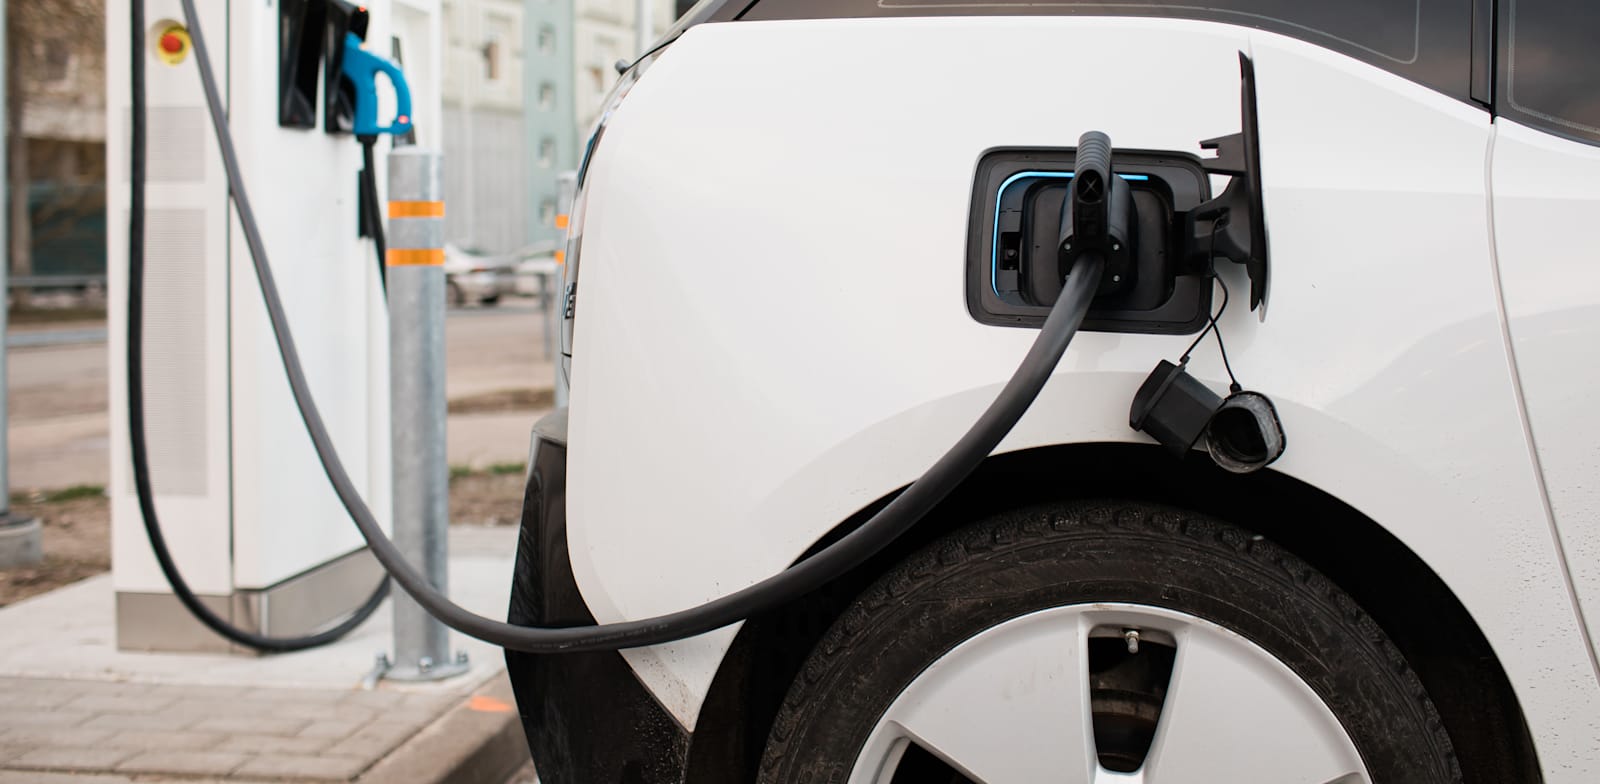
x,y
994,240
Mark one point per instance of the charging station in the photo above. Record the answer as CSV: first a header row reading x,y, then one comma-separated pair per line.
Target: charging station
x,y
249,513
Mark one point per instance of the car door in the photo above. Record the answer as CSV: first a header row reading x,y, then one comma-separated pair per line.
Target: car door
x,y
1545,184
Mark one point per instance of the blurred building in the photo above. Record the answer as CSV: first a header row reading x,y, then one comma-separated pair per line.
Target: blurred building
x,y
484,123
56,135
570,66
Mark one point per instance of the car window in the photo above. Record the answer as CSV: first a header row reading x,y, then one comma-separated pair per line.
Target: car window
x,y
1428,41
1550,65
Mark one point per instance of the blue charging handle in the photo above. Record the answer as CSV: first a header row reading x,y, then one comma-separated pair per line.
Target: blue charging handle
x,y
363,67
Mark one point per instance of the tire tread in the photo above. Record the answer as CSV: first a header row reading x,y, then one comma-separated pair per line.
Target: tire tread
x,y
995,536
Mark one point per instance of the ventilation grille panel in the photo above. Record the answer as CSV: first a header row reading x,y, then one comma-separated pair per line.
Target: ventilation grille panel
x,y
176,415
175,143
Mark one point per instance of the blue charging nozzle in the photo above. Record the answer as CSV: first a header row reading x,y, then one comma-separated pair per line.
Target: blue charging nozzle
x,y
362,67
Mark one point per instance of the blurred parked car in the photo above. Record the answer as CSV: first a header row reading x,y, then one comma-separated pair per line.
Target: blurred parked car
x,y
473,276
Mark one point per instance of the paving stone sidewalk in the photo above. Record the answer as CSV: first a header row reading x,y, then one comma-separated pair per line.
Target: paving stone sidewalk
x,y
221,731
75,709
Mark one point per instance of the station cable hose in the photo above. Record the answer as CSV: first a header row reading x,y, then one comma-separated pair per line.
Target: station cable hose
x,y
893,520
370,215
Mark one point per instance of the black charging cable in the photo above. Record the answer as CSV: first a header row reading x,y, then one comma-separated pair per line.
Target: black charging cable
x,y
828,564
136,415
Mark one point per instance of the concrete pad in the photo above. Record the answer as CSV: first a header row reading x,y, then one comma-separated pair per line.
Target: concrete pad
x,y
69,634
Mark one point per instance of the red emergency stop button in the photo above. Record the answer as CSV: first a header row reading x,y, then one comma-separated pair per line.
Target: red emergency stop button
x,y
172,43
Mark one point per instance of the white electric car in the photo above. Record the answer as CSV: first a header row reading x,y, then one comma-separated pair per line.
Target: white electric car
x,y
812,240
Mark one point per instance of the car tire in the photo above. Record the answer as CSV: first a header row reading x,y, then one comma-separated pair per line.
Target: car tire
x,y
490,301
1015,566
454,296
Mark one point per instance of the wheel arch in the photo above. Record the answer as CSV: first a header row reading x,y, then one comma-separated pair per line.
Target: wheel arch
x,y
1412,604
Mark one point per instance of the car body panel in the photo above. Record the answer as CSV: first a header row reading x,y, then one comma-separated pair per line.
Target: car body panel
x,y
1546,199
785,340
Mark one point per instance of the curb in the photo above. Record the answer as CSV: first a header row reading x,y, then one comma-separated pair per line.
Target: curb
x,y
479,740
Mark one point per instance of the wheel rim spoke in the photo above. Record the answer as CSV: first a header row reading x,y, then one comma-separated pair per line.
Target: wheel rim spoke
x,y
1233,713
1008,706
1013,704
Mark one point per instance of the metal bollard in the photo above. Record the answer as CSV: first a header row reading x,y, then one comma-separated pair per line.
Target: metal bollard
x,y
567,188
20,537
416,289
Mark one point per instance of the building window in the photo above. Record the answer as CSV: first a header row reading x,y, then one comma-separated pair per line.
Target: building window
x,y
547,212
54,60
547,152
547,96
491,58
547,39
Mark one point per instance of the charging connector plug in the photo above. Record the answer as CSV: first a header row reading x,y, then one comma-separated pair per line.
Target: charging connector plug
x,y
1097,217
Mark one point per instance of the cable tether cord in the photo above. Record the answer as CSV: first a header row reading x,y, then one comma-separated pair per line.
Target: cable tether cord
x,y
881,529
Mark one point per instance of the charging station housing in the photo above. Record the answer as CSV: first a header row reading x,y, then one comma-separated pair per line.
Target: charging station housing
x,y
249,514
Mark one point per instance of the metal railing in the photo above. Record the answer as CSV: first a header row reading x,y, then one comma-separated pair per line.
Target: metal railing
x,y
56,281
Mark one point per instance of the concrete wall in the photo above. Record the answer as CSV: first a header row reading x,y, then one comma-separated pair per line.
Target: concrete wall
x,y
486,161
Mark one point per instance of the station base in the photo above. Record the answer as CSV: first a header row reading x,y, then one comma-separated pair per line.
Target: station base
x,y
299,605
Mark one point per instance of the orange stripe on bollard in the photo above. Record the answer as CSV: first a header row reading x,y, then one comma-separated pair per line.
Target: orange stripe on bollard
x,y
408,257
561,221
416,209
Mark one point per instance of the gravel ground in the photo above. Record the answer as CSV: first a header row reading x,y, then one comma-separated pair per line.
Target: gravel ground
x,y
77,544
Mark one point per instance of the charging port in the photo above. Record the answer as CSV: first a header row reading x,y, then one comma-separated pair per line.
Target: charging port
x,y
1014,256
